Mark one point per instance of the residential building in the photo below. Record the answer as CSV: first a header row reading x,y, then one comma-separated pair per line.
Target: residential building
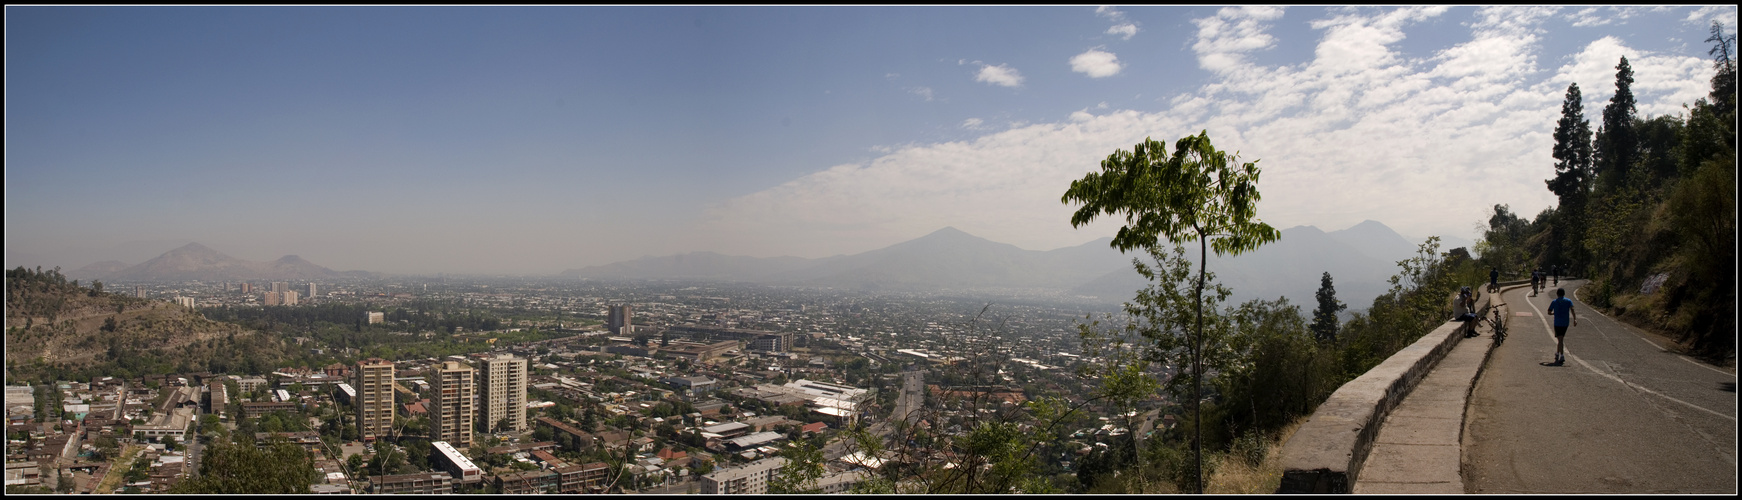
x,y
451,417
415,483
288,297
750,479
374,317
567,436
280,286
187,302
374,398
619,320
692,387
250,384
529,482
834,484
772,342
256,409
443,456
585,478
271,299
217,398
311,290
502,391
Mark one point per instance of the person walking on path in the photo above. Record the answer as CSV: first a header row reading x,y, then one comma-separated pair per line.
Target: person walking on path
x,y
1493,279
1562,309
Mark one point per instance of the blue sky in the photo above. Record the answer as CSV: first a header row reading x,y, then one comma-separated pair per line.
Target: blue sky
x,y
535,139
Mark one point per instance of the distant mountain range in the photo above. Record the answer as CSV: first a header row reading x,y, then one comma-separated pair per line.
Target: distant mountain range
x,y
196,262
1360,259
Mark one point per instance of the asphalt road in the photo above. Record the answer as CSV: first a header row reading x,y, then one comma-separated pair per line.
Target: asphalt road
x,y
1623,415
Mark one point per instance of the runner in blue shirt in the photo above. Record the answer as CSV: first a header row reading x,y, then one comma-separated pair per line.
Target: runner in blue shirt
x,y
1562,309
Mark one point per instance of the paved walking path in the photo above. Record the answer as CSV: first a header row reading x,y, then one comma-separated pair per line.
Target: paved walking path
x,y
1623,415
1418,447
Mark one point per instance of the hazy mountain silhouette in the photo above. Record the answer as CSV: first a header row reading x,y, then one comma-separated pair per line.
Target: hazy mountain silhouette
x,y
1360,259
1378,241
97,270
196,262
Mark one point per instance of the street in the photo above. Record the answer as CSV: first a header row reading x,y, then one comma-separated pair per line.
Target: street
x,y
1623,415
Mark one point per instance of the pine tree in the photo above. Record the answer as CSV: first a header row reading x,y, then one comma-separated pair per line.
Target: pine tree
x,y
1324,325
1617,142
1572,180
1724,80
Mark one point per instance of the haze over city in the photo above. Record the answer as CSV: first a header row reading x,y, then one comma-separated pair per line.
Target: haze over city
x,y
529,140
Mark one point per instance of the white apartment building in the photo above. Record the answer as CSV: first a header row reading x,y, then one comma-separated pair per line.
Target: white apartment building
x,y
751,479
451,416
502,391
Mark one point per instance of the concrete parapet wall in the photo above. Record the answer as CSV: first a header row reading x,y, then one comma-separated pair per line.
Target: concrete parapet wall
x,y
1325,455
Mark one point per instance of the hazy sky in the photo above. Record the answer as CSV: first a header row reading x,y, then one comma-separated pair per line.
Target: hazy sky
x,y
535,139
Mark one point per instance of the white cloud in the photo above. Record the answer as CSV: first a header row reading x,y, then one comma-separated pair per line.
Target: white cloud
x,y
1096,64
1109,12
972,123
1233,31
1674,80
1126,30
1601,16
1408,140
925,92
1000,75
1724,14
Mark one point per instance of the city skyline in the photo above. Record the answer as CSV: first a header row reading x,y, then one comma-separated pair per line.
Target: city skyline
x,y
536,139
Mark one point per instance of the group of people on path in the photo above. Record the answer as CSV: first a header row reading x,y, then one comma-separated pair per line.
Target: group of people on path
x,y
1561,308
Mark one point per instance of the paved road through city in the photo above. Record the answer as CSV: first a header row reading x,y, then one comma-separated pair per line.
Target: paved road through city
x,y
1623,415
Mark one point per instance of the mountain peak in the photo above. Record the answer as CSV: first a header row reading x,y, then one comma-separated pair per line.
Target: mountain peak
x,y
193,248
948,231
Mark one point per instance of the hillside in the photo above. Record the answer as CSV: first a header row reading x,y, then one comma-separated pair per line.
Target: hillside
x,y
1360,259
58,330
197,262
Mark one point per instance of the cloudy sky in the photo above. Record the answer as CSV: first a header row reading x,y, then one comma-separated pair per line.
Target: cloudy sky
x,y
536,139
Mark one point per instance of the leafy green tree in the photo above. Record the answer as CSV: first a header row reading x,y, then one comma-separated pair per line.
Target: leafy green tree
x,y
242,468
1325,321
804,465
1197,194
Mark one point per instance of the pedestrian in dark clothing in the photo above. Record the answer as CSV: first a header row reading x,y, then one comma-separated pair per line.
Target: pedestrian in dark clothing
x,y
1562,309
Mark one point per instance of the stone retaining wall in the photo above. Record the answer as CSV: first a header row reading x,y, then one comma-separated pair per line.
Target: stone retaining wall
x,y
1325,455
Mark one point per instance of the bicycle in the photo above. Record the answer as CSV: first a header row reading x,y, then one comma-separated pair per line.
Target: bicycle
x,y
1498,323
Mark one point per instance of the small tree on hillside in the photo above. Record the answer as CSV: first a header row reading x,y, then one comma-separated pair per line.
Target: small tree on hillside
x,y
1324,325
1197,194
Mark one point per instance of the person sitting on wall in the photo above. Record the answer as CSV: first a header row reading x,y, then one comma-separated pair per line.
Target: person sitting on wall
x,y
1464,309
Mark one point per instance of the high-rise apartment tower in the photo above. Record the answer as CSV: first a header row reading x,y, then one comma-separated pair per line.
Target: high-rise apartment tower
x,y
374,398
618,320
502,392
451,418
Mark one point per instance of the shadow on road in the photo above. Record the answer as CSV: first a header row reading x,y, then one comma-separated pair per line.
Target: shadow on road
x,y
1727,386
